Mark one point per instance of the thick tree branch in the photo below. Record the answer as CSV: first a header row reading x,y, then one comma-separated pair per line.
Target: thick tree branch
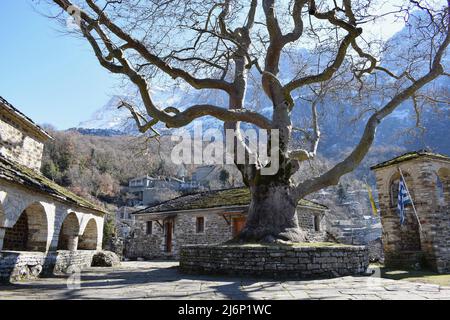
x,y
314,138
177,120
138,118
297,32
331,69
222,16
251,15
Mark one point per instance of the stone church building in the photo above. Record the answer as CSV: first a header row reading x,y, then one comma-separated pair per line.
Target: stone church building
x,y
423,240
204,218
41,223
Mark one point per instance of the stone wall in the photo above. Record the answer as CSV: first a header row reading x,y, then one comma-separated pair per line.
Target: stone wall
x,y
307,220
66,261
408,245
274,261
148,246
16,266
158,195
217,230
115,244
19,144
143,245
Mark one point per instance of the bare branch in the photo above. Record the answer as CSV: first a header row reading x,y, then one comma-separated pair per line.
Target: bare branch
x,y
179,119
154,59
138,117
356,156
251,15
330,70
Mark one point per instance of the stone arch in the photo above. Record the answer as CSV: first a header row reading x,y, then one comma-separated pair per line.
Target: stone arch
x,y
443,186
30,232
68,234
89,238
393,187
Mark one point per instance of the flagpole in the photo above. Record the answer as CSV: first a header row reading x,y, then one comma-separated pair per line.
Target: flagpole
x,y
409,195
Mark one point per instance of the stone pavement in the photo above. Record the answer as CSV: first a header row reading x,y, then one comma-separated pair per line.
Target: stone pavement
x,y
161,280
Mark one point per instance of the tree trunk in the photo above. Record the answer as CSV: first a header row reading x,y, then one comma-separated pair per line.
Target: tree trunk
x,y
272,216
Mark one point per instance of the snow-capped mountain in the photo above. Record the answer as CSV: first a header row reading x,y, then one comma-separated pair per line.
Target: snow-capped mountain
x,y
108,117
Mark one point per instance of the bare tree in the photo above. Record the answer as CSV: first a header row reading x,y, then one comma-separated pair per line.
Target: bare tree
x,y
213,45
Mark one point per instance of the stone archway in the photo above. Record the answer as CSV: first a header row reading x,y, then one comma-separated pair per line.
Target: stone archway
x,y
88,240
68,234
30,232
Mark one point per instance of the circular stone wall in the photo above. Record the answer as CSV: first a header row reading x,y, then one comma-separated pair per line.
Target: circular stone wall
x,y
296,261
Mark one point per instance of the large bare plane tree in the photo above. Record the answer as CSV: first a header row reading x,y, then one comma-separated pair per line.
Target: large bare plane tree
x,y
215,45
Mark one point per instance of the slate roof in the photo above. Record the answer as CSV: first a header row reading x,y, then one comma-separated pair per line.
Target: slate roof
x,y
4,104
409,156
214,199
16,173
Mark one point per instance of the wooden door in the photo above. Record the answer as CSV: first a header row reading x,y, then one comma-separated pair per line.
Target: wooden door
x,y
238,225
169,228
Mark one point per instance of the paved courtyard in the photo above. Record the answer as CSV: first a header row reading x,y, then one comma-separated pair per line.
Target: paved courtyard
x,y
161,280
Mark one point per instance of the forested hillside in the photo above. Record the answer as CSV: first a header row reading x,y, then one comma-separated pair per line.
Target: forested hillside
x,y
95,167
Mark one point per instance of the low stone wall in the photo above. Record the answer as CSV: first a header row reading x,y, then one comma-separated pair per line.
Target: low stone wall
x,y
67,261
25,265
275,261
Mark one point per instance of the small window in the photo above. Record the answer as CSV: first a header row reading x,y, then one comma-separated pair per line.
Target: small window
x,y
149,227
200,224
316,223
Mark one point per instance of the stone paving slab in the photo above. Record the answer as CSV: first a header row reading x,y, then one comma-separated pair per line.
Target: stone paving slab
x,y
162,280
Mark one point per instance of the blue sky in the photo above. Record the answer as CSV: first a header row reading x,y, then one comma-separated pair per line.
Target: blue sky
x,y
51,77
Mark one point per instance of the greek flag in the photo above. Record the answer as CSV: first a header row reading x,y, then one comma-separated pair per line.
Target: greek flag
x,y
403,200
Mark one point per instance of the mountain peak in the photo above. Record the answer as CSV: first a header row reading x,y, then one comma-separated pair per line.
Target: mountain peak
x,y
109,117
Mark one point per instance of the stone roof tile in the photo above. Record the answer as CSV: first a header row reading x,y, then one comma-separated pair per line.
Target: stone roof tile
x,y
213,199
16,173
18,114
409,156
